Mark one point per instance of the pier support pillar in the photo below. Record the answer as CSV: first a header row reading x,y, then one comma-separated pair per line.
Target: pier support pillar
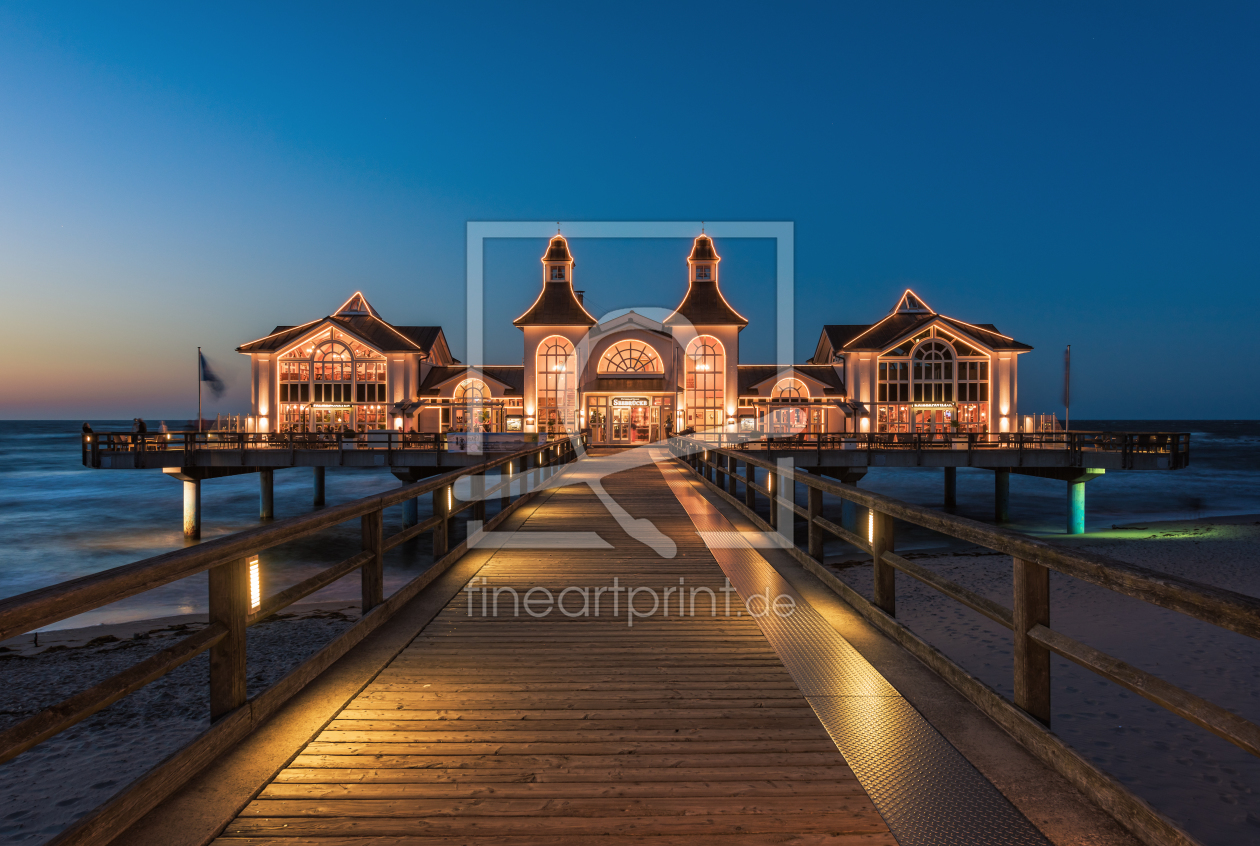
x,y
411,511
1076,508
1001,495
266,494
319,486
192,509
951,487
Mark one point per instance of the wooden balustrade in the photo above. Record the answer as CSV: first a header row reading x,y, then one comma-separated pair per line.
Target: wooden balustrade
x,y
227,560
1028,619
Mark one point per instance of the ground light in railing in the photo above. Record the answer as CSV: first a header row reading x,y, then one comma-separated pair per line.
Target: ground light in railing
x,y
255,584
870,527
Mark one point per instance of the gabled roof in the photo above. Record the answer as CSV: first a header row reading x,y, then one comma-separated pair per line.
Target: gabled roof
x,y
512,377
357,317
908,317
752,375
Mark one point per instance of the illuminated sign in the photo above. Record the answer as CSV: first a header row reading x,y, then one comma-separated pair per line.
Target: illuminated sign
x,y
331,405
932,405
624,402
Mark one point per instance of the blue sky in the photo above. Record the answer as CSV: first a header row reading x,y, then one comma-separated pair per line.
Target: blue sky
x,y
174,176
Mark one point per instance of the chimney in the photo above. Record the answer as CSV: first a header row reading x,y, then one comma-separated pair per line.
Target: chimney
x,y
581,300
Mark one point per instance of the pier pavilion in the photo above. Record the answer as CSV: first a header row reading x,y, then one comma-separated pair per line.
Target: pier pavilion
x,y
630,379
916,388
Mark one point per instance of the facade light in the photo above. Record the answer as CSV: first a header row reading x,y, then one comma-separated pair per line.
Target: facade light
x,y
255,584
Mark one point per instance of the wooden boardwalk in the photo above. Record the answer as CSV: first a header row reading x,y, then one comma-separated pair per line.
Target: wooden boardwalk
x,y
512,729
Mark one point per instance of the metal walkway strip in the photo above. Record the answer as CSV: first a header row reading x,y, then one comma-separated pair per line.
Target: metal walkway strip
x,y
927,792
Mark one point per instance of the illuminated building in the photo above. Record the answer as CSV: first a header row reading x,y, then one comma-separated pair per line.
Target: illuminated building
x,y
630,379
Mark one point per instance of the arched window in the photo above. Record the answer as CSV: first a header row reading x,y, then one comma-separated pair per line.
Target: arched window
x,y
472,391
933,366
790,389
556,388
630,357
705,390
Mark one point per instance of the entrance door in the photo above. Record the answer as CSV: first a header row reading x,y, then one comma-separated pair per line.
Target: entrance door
x,y
931,421
619,428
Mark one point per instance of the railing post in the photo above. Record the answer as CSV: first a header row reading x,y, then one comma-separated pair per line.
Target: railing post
x,y
1032,660
882,538
772,488
750,478
732,474
478,485
229,605
505,492
318,498
373,572
814,509
442,531
266,495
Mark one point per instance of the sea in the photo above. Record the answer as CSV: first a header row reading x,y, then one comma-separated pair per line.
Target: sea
x,y
60,520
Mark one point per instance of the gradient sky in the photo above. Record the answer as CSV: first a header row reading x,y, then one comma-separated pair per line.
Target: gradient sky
x,y
175,175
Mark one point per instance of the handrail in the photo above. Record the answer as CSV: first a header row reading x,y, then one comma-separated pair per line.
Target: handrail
x,y
1227,609
45,606
226,559
1027,715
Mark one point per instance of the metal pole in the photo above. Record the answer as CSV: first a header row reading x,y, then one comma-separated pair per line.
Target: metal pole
x,y
198,389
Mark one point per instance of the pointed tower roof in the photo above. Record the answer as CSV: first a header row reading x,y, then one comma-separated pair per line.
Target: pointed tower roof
x,y
911,303
557,305
356,306
703,304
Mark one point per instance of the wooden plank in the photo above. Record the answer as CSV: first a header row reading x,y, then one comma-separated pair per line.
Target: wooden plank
x,y
554,729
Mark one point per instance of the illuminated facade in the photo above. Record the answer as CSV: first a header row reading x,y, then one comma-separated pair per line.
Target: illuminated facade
x,y
631,379
920,371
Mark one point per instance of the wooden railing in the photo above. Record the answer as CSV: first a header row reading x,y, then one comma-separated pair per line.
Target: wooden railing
x,y
228,561
1080,445
1028,618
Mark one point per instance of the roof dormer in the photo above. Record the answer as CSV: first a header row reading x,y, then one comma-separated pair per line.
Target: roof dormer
x,y
356,306
911,303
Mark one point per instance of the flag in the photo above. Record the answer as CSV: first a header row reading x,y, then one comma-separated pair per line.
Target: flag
x,y
1067,377
208,376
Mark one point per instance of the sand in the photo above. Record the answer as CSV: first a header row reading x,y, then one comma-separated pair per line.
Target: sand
x,y
46,789
1203,782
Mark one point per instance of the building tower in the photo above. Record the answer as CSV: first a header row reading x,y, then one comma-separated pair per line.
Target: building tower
x,y
707,329
554,326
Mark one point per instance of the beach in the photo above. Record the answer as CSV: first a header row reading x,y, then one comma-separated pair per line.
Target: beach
x,y
1202,782
46,789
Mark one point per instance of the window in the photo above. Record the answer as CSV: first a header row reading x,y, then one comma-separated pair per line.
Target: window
x,y
556,388
472,391
790,389
295,378
557,272
369,378
934,372
973,381
894,381
705,388
703,271
630,357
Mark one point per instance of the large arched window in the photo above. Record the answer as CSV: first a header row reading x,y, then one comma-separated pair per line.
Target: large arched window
x,y
556,388
472,391
933,366
790,389
630,357
705,389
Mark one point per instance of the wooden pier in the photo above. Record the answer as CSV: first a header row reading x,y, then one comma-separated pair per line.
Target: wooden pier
x,y
514,726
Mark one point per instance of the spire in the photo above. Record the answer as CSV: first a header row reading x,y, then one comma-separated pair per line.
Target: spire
x,y
558,250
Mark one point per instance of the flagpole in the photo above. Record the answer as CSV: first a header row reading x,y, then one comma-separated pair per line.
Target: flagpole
x,y
1067,388
198,389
